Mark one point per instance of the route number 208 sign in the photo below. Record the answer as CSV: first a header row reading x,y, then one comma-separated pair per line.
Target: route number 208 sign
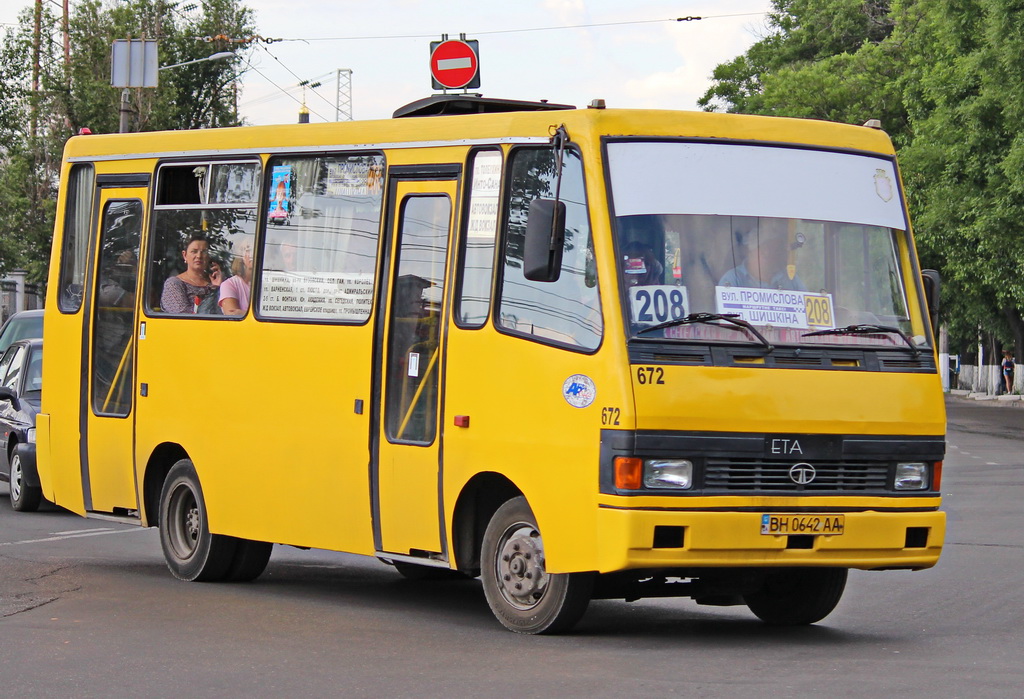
x,y
655,304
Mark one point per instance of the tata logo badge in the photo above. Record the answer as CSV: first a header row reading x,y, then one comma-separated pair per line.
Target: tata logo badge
x,y
579,391
802,473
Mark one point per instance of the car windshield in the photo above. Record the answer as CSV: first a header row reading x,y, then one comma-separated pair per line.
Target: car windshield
x,y
807,247
21,327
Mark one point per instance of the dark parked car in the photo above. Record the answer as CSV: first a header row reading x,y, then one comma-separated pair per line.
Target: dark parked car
x,y
21,388
21,326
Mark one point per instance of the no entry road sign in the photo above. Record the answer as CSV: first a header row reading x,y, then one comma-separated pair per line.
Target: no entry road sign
x,y
455,64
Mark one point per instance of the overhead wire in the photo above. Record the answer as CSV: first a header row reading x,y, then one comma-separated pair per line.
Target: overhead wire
x,y
264,41
690,18
307,84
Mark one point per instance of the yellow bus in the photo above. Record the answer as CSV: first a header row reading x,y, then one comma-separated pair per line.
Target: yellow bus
x,y
579,353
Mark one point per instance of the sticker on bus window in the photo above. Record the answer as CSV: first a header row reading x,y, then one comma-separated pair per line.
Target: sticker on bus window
x,y
484,196
353,178
653,304
280,193
777,307
579,390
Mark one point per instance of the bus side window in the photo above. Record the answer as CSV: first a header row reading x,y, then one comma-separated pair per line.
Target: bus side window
x,y
476,261
204,224
567,311
75,247
321,229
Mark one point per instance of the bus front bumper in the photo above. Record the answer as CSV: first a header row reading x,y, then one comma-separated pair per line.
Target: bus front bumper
x,y
634,538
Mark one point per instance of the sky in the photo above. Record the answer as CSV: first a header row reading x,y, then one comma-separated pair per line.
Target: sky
x,y
529,49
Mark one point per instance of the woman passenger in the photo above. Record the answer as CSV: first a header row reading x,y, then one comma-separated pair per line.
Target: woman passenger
x,y
234,292
194,290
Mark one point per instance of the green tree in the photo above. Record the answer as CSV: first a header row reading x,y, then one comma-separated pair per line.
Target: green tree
x,y
946,79
51,94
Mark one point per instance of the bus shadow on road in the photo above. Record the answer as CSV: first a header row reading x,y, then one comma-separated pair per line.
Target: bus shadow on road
x,y
338,584
683,621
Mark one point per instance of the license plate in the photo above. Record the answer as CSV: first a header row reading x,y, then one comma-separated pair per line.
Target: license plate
x,y
779,525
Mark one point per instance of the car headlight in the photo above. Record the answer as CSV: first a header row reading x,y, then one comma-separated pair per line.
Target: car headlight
x,y
911,476
668,473
31,435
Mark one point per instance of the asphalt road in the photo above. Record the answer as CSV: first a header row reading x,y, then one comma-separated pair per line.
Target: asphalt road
x,y
87,608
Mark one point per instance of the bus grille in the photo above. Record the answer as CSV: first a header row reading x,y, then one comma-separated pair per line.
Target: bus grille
x,y
759,476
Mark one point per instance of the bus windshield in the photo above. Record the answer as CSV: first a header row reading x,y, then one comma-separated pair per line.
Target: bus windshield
x,y
800,244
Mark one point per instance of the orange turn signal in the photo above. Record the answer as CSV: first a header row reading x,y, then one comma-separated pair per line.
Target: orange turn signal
x,y
629,472
937,476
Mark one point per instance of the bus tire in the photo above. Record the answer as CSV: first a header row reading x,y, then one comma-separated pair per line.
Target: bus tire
x,y
192,553
521,593
249,561
797,596
24,497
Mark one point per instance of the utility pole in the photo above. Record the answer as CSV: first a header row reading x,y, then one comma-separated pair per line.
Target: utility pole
x,y
36,31
65,29
343,99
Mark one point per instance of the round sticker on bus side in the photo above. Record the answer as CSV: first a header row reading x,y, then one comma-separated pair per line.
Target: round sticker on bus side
x,y
579,391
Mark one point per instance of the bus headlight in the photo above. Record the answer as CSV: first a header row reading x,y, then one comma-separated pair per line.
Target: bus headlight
x,y
668,473
912,476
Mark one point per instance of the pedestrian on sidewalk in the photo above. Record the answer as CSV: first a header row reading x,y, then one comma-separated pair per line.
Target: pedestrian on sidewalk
x,y
1008,367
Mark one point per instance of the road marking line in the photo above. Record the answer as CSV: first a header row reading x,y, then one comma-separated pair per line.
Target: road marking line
x,y
82,531
94,532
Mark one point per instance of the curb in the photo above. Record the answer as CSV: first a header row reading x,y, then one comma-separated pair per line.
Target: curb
x,y
1004,401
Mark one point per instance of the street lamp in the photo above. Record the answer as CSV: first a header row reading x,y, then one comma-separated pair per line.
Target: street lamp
x,y
143,69
215,57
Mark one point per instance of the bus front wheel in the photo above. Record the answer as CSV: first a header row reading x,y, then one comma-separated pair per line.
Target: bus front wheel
x,y
191,551
522,594
797,596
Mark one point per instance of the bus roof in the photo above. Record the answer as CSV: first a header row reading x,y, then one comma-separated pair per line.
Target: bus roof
x,y
470,129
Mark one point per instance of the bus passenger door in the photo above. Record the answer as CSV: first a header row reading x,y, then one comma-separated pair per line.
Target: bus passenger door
x,y
410,356
108,470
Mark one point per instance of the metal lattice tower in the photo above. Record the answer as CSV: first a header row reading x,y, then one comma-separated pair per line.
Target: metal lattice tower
x,y
343,100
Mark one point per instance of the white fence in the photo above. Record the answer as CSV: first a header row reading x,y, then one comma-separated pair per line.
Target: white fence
x,y
989,380
17,295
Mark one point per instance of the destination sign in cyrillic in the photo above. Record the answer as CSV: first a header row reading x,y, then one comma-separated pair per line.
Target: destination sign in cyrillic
x,y
778,307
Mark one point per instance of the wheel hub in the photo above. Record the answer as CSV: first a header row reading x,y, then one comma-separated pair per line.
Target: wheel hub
x,y
192,525
16,477
184,522
520,566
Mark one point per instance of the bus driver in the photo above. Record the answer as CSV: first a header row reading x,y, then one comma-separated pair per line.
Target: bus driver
x,y
765,259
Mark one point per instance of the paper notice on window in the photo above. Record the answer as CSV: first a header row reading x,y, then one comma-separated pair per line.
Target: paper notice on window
x,y
777,307
317,296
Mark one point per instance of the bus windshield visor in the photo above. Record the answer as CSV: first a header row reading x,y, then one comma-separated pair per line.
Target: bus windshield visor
x,y
808,247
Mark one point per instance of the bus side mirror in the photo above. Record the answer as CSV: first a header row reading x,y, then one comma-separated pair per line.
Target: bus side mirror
x,y
932,282
545,237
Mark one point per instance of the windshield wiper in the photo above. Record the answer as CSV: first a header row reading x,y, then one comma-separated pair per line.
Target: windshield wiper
x,y
733,318
868,329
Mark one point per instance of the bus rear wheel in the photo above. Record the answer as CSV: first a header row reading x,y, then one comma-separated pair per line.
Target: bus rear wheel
x,y
797,596
522,594
191,551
